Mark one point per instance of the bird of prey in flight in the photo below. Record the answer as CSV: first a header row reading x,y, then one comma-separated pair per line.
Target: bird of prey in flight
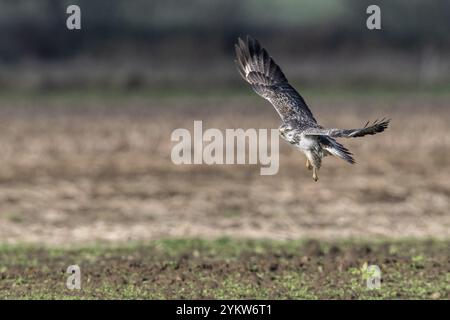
x,y
299,127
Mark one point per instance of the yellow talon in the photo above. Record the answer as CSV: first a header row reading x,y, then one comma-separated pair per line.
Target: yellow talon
x,y
308,165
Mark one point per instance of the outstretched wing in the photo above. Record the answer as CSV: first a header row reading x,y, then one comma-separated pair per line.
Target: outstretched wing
x,y
266,78
375,127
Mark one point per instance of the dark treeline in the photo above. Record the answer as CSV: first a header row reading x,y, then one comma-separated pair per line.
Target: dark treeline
x,y
37,28
161,30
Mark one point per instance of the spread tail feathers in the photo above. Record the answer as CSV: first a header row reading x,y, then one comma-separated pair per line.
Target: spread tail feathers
x,y
337,150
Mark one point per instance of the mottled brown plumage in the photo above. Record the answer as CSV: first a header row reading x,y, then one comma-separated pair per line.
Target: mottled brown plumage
x,y
299,127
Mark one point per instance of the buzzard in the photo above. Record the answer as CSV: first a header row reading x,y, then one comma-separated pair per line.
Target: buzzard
x,y
299,127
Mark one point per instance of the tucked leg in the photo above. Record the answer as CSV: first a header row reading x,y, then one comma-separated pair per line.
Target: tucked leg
x,y
308,164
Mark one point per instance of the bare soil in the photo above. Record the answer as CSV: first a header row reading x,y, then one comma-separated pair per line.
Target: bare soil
x,y
86,170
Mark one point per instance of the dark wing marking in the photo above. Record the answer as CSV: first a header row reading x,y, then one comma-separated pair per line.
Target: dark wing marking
x,y
375,127
266,78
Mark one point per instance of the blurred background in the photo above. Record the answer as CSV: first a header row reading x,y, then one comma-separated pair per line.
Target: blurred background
x,y
155,43
86,118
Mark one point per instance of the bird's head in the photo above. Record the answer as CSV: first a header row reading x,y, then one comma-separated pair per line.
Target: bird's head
x,y
287,130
